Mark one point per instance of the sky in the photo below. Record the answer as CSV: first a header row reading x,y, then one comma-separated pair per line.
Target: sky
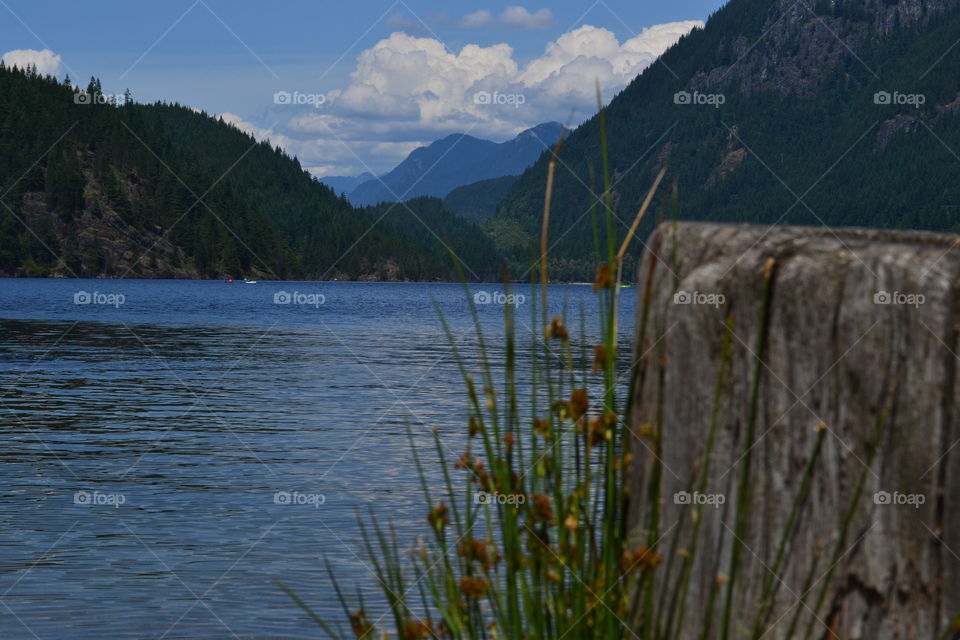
x,y
354,86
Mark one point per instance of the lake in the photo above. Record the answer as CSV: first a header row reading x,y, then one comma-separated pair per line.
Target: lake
x,y
170,448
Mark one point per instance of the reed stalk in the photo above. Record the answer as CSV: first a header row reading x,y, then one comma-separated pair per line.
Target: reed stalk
x,y
552,427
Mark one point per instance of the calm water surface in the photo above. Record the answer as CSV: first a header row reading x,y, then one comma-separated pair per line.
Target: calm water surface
x,y
171,448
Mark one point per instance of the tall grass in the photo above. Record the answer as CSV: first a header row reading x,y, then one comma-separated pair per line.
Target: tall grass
x,y
548,557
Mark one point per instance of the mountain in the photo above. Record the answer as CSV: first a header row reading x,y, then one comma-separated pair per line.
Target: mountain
x,y
836,112
454,161
346,184
91,189
331,238
429,221
479,201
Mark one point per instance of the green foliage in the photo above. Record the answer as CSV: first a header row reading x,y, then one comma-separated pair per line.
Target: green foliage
x,y
864,164
64,183
329,237
426,222
549,560
550,438
229,205
89,161
479,201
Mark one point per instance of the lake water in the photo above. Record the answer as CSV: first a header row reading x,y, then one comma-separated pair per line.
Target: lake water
x,y
170,448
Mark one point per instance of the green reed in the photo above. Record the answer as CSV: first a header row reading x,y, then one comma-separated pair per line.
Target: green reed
x,y
551,559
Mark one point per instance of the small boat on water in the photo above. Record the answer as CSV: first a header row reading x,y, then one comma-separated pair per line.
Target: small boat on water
x,y
246,281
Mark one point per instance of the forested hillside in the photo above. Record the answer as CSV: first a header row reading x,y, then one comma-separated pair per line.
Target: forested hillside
x,y
85,191
92,189
843,113
427,221
479,201
313,221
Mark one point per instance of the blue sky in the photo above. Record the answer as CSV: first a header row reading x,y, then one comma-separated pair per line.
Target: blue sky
x,y
369,80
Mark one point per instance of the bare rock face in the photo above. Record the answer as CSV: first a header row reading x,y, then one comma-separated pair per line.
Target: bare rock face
x,y
804,41
860,348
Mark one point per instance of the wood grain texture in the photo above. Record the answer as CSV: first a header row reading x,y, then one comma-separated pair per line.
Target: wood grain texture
x,y
835,355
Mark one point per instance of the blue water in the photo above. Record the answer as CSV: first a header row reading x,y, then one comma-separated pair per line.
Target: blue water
x,y
170,448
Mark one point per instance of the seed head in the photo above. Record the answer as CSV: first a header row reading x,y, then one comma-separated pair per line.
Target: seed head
x,y
438,517
474,587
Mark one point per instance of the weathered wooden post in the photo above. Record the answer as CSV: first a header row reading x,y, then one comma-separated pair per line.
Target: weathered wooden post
x,y
861,344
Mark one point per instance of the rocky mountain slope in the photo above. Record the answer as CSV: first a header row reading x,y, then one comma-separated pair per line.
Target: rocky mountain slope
x,y
830,112
92,189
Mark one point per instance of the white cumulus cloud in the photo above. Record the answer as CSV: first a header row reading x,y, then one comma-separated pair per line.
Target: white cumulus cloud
x,y
47,62
573,64
406,91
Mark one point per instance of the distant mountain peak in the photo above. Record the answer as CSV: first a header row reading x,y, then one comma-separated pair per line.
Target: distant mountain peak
x,y
456,160
543,127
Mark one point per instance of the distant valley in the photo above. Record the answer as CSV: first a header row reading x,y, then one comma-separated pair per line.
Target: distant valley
x,y
442,166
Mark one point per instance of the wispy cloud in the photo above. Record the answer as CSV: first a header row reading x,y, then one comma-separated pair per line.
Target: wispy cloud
x,y
408,24
512,17
476,20
517,17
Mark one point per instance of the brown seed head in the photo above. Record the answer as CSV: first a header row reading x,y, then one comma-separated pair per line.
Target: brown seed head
x,y
557,330
438,517
604,279
475,426
474,587
417,629
640,558
579,403
599,358
542,509
541,427
359,624
479,552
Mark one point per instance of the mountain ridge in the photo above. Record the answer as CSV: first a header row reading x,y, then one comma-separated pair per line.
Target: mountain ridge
x,y
346,184
783,70
454,161
94,189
